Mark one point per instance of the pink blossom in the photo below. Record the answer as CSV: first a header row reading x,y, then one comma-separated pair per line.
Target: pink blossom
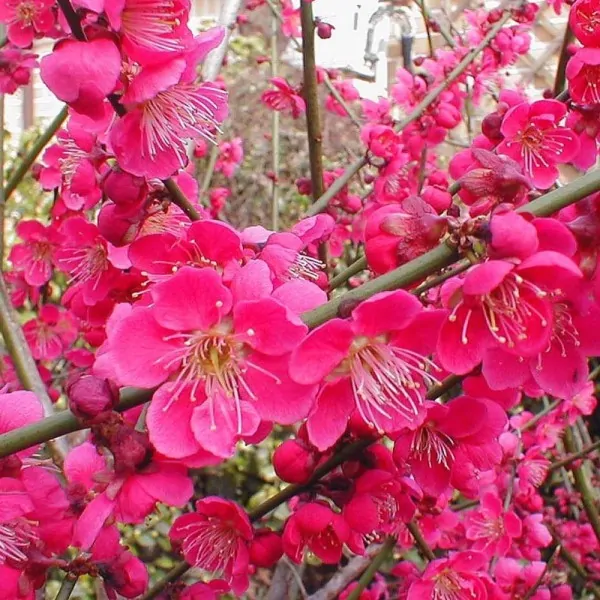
x,y
216,538
583,74
348,93
316,527
151,29
82,74
231,155
26,19
129,493
534,138
491,528
15,68
219,355
34,256
166,108
122,572
381,503
374,364
584,18
51,334
284,98
84,255
463,431
500,305
460,577
399,232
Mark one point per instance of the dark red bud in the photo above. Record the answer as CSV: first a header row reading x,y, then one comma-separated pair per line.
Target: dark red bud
x,y
293,462
324,30
266,548
89,395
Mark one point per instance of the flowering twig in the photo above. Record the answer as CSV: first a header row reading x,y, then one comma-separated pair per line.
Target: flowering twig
x,y
583,486
67,587
417,112
386,551
61,424
423,266
177,196
40,143
328,83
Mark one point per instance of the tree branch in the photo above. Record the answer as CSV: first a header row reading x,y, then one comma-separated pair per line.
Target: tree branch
x,y
386,551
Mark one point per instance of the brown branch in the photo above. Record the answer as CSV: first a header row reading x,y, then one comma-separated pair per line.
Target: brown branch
x,y
560,79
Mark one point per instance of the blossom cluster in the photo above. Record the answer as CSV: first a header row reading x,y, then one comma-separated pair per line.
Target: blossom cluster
x,y
228,330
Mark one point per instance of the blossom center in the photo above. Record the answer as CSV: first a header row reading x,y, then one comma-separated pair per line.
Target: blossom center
x,y
213,545
88,264
448,586
508,311
433,445
25,12
182,111
149,23
387,380
16,537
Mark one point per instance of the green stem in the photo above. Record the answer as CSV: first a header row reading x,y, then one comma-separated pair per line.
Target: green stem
x,y
567,460
61,424
420,540
386,551
583,486
357,266
41,142
67,587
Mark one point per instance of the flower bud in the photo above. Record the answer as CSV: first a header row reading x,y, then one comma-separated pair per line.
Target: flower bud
x,y
324,30
89,395
293,462
266,548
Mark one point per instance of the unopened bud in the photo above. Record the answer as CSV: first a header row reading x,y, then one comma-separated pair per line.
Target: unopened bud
x,y
89,395
324,30
293,462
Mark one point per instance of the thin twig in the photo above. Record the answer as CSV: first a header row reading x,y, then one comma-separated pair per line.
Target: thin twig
x,y
567,460
583,486
67,587
40,143
414,530
348,573
386,551
274,131
360,264
561,69
530,593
